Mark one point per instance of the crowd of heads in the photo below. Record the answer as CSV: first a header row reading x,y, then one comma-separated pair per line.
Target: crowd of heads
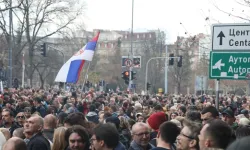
x,y
59,120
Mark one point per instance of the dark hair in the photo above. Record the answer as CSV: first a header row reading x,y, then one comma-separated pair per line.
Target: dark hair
x,y
114,120
193,116
108,133
61,117
212,110
75,119
220,133
169,131
81,132
106,115
74,95
183,109
158,107
38,99
97,105
92,107
10,112
242,131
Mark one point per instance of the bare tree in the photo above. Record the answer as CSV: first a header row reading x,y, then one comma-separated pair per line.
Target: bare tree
x,y
181,76
6,4
242,16
37,20
154,47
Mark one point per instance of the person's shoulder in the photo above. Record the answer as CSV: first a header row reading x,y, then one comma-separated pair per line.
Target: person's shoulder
x,y
159,148
39,137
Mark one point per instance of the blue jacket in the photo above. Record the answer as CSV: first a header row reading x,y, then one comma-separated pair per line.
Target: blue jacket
x,y
120,146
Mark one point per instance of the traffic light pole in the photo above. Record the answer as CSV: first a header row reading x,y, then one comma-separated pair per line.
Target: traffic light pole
x,y
146,77
131,50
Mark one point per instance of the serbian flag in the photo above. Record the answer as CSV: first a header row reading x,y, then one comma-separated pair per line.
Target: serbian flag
x,y
71,70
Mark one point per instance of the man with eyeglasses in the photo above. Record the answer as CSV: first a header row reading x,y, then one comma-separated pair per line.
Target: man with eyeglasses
x,y
188,137
141,137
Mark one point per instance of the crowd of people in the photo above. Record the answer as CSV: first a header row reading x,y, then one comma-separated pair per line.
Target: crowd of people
x,y
36,119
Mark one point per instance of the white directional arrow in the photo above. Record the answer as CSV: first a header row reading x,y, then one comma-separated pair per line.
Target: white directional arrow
x,y
218,65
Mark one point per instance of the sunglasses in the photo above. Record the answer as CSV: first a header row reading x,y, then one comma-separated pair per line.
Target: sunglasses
x,y
22,117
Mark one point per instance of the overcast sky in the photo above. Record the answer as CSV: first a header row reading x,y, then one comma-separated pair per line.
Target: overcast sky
x,y
163,14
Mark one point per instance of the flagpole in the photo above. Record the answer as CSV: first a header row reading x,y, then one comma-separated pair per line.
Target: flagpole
x,y
87,71
23,67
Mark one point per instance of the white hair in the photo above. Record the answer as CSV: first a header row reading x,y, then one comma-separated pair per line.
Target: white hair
x,y
244,121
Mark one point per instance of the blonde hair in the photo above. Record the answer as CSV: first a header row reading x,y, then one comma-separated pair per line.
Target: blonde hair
x,y
59,142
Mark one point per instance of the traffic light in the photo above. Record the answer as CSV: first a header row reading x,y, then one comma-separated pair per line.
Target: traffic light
x,y
171,59
87,84
125,76
43,49
179,64
148,86
133,75
15,84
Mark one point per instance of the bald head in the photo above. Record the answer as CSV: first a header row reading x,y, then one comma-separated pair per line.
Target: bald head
x,y
49,122
15,143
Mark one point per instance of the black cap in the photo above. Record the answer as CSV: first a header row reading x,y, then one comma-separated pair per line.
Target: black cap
x,y
244,111
228,112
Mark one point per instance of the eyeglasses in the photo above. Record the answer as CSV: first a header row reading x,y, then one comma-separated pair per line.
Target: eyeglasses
x,y
91,140
141,134
22,117
190,137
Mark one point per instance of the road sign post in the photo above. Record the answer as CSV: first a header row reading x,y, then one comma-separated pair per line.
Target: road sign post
x,y
229,65
230,56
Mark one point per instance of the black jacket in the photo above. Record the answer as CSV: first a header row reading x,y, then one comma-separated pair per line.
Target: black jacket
x,y
41,110
135,146
38,142
48,134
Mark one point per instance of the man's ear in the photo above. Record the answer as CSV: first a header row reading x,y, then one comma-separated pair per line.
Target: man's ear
x,y
102,143
40,128
192,143
207,143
